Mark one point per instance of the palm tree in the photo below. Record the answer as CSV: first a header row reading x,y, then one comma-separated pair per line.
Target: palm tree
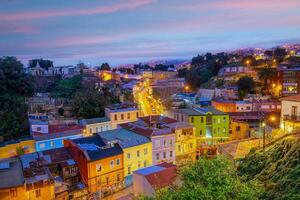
x,y
267,73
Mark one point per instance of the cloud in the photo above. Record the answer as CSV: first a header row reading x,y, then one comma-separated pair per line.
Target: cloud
x,y
123,5
17,28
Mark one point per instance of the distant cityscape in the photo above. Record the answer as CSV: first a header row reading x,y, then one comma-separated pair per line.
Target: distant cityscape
x,y
150,100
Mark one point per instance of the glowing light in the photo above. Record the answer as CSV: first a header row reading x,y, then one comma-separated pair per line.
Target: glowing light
x,y
273,118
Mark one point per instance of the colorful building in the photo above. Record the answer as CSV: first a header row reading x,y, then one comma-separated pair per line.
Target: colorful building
x,y
100,164
238,129
17,147
186,143
12,180
290,113
122,113
52,136
211,124
39,182
162,137
95,125
137,150
148,180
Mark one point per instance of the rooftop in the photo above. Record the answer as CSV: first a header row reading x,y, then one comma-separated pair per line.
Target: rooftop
x,y
123,107
160,175
11,174
96,148
150,126
95,120
124,137
291,98
200,111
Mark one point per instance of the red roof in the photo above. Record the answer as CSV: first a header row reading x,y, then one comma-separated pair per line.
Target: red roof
x,y
162,178
157,118
291,98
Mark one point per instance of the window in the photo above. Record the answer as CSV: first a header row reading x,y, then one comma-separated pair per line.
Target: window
x,y
224,119
137,115
219,120
138,153
52,143
145,151
218,129
145,163
116,117
200,132
192,119
181,117
157,143
101,128
238,128
139,165
107,180
179,148
129,170
96,129
122,116
39,128
248,108
191,145
37,193
165,142
98,167
171,154
118,177
128,155
112,164
128,115
157,156
42,145
202,119
118,162
224,130
13,192
171,141
165,154
91,130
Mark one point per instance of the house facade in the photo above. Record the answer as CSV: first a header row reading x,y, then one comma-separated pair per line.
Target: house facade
x,y
137,150
95,125
100,164
211,125
290,113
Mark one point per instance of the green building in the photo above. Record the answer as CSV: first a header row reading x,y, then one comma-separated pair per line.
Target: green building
x,y
211,124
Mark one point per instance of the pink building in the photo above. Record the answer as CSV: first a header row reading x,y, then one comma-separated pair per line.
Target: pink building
x,y
162,137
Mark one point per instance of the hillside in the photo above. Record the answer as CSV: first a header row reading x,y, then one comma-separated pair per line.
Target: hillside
x,y
278,168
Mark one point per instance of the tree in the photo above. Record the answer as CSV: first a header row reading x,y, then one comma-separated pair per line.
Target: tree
x,y
211,179
88,103
67,87
45,64
105,66
15,85
267,73
279,54
245,85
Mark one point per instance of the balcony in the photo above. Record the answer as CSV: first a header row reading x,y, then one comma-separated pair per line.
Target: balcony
x,y
293,118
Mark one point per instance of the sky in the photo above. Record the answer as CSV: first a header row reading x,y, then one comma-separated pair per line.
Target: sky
x,y
131,31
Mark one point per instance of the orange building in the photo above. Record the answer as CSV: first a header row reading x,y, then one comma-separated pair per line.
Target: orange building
x,y
224,106
100,164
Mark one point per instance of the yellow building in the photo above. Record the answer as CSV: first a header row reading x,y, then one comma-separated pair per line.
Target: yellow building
x,y
239,130
95,125
21,179
137,150
122,113
186,143
11,149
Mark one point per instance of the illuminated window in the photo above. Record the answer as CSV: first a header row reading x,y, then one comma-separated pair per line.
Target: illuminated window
x,y
38,193
145,151
52,143
98,167
42,145
13,192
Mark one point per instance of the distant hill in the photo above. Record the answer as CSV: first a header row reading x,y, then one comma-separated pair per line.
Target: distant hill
x,y
176,62
278,168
